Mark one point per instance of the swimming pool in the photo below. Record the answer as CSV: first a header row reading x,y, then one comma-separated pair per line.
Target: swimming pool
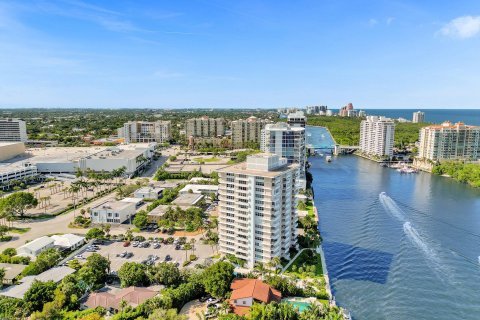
x,y
300,305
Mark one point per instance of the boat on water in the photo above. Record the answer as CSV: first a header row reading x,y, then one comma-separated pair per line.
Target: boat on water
x,y
407,170
328,158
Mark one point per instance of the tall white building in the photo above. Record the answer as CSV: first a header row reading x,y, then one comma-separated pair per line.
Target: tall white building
x,y
450,142
418,117
247,131
143,131
205,127
297,119
257,208
13,130
287,142
377,136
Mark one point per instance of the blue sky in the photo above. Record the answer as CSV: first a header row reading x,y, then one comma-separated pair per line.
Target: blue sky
x,y
255,53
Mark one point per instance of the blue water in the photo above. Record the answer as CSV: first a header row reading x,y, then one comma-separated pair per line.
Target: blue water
x,y
469,116
411,253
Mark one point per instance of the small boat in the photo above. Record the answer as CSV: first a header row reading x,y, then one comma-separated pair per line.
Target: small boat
x,y
328,158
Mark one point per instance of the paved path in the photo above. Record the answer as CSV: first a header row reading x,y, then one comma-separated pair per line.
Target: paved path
x,y
292,260
58,224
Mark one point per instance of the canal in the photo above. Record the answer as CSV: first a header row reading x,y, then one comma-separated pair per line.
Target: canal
x,y
398,246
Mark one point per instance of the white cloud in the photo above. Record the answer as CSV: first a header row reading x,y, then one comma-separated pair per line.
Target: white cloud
x,y
372,22
462,27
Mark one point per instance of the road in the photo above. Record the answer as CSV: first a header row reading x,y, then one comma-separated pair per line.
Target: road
x,y
154,167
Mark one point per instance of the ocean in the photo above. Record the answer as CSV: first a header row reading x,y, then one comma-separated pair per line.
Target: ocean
x,y
468,116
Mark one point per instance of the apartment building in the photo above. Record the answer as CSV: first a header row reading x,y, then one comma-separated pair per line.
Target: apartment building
x,y
13,130
450,142
297,119
377,136
287,142
247,132
205,127
257,208
418,117
143,131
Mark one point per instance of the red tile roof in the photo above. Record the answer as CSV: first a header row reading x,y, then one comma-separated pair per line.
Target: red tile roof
x,y
252,288
133,295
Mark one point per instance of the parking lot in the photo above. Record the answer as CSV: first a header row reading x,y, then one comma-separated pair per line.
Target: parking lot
x,y
112,250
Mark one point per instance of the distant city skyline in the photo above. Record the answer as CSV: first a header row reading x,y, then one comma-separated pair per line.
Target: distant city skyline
x,y
243,54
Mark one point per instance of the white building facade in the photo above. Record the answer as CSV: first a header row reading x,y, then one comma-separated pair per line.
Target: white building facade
x,y
450,142
418,117
377,136
113,212
257,208
13,130
286,142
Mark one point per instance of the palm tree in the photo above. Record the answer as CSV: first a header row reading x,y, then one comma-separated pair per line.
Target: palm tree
x,y
123,303
260,268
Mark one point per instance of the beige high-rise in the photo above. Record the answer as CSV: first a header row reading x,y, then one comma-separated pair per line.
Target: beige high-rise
x,y
449,142
143,131
205,127
257,209
247,131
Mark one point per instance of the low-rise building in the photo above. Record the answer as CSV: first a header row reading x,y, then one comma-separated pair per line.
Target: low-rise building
x,y
12,271
148,193
188,199
9,150
133,296
55,274
68,241
136,201
113,212
247,291
199,188
10,172
35,247
156,214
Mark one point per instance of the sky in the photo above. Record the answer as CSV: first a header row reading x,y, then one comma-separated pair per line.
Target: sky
x,y
240,53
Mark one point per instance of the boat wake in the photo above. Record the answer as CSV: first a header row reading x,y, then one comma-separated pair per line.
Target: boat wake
x,y
431,255
391,207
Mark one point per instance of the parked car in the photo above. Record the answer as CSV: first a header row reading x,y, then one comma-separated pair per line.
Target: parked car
x,y
123,254
168,258
178,247
126,243
156,246
129,255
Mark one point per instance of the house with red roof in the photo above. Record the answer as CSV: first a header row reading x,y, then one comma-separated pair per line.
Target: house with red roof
x,y
247,291
111,301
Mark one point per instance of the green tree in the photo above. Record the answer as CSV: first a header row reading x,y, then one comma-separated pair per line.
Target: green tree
x,y
166,314
273,311
166,273
45,260
94,271
140,219
38,294
132,274
95,233
2,276
217,279
17,203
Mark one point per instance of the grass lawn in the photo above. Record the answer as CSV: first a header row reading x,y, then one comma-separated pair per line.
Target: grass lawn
x,y
212,159
304,261
309,206
18,230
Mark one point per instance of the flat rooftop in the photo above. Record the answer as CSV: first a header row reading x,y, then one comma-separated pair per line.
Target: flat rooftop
x,y
114,205
187,199
5,143
241,168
